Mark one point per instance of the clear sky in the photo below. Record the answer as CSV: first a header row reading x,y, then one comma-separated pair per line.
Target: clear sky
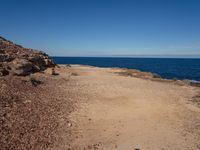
x,y
104,27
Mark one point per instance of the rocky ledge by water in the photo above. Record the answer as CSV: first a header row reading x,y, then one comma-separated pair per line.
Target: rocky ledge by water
x,y
20,61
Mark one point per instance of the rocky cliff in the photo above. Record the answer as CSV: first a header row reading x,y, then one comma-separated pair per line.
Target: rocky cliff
x,y
17,60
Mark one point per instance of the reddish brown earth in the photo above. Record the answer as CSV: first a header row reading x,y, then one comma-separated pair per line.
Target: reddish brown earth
x,y
31,110
86,108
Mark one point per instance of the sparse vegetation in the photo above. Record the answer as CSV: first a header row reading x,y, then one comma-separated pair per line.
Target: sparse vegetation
x,y
68,65
126,73
155,75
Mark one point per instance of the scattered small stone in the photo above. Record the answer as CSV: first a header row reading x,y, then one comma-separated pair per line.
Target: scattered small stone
x,y
89,147
51,71
69,124
27,101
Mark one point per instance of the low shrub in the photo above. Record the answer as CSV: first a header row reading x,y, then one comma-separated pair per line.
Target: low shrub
x,y
156,75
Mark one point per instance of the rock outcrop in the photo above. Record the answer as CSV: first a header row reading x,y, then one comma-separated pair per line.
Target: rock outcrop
x,y
17,60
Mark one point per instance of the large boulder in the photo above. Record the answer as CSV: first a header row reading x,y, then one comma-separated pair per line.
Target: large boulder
x,y
21,67
16,60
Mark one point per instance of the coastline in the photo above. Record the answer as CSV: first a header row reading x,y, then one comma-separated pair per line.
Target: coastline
x,y
143,74
99,108
167,68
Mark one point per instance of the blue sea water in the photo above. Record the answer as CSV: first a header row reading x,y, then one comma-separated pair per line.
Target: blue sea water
x,y
166,67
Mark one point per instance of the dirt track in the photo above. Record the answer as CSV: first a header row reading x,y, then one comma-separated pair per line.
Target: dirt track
x,y
126,113
85,108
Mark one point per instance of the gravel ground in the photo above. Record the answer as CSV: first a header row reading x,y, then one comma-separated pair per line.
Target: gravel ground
x,y
97,108
30,110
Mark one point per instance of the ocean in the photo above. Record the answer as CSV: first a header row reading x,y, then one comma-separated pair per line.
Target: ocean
x,y
168,68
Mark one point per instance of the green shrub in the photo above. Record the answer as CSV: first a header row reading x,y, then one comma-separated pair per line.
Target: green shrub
x,y
156,75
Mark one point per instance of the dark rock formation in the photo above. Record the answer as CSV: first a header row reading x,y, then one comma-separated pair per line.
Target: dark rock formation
x,y
17,60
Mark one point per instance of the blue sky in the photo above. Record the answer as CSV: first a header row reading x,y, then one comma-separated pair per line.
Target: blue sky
x,y
104,27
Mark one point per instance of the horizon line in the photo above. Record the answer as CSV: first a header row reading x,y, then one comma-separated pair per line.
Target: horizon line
x,y
133,56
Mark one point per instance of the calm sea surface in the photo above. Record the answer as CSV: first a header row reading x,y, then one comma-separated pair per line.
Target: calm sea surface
x,y
167,67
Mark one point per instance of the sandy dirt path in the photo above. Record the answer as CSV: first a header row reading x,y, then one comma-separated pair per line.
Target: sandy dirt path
x,y
126,113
